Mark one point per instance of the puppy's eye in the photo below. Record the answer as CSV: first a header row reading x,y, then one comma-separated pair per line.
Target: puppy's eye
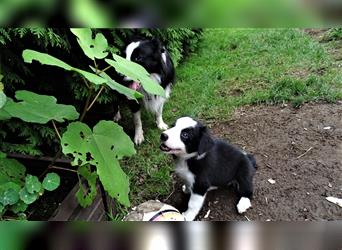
x,y
138,58
185,135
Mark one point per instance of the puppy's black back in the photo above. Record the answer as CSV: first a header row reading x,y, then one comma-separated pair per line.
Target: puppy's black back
x,y
222,164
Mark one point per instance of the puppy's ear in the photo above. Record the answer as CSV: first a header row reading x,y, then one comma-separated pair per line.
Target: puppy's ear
x,y
156,42
206,141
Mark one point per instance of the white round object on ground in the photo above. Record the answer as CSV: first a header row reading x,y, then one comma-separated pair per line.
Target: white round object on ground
x,y
153,210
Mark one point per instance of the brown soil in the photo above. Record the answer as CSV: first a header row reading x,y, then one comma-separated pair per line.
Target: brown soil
x,y
291,147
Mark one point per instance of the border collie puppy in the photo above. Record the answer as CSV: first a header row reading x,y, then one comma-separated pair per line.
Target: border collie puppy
x,y
206,163
154,57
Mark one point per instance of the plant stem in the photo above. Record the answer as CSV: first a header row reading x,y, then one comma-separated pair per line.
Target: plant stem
x,y
96,69
86,104
65,169
97,96
42,158
54,126
101,71
86,83
104,200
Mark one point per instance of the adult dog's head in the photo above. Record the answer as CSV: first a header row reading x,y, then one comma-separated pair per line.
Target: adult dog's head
x,y
147,53
187,138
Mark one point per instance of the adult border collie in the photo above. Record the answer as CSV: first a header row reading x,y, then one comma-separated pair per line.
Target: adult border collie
x,y
153,56
206,163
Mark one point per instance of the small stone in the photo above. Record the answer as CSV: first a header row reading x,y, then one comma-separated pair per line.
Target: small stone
x,y
327,128
305,129
207,214
271,181
329,185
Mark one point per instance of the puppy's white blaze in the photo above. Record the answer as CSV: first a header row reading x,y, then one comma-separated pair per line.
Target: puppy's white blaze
x,y
185,122
243,205
130,48
174,141
194,206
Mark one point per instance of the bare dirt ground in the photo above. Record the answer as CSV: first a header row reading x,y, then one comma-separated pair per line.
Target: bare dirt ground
x,y
301,149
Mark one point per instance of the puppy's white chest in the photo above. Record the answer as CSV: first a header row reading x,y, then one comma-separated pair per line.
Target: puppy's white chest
x,y
183,171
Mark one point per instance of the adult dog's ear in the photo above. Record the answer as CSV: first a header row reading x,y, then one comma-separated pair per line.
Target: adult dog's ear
x,y
206,141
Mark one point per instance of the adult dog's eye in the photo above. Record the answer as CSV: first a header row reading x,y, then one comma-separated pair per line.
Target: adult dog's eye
x,y
185,135
138,58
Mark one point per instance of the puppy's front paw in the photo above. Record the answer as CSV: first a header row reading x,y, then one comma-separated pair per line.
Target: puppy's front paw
x,y
138,138
243,205
188,216
162,126
186,189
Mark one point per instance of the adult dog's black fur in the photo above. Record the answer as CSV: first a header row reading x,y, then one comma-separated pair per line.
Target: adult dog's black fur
x,y
206,163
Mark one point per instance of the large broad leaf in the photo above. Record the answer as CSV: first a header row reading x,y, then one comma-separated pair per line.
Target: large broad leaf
x,y
11,171
92,48
39,108
129,93
51,181
4,115
86,196
137,73
103,147
43,58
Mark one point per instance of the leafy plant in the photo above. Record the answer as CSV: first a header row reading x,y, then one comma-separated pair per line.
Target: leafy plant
x,y
96,153
18,190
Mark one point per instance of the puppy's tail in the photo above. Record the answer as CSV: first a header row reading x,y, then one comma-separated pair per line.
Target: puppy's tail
x,y
253,161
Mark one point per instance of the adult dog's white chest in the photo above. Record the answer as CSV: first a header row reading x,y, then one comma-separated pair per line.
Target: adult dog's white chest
x,y
183,171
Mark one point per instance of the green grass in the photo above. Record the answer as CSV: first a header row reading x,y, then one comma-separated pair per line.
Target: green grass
x,y
234,67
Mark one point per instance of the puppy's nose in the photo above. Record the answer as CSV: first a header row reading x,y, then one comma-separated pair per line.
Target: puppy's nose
x,y
164,137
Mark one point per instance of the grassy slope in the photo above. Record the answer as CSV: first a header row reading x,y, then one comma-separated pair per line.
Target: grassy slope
x,y
234,67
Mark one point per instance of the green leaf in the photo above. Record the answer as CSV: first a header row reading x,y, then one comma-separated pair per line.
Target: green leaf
x,y
51,181
39,108
27,197
129,93
2,155
18,207
2,94
32,184
46,59
137,73
103,148
4,115
92,48
43,58
2,208
2,99
11,171
9,193
86,196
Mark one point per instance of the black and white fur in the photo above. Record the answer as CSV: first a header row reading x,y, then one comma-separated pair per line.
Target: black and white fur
x,y
206,163
154,57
